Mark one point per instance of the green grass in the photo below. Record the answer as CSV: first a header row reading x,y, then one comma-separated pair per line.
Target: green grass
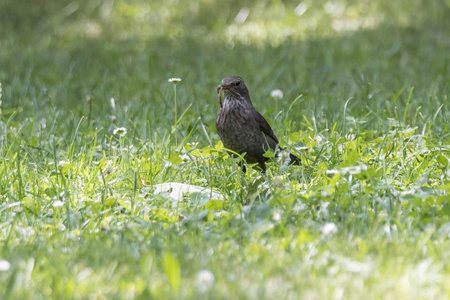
x,y
366,217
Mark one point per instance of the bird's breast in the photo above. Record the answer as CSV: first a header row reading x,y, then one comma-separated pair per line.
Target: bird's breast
x,y
237,127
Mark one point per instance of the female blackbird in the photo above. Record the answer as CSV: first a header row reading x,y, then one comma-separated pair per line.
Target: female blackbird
x,y
241,128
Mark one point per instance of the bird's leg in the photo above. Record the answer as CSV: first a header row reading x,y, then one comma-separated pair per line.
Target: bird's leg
x,y
262,165
242,165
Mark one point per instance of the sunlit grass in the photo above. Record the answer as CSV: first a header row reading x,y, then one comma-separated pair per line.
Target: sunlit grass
x,y
89,124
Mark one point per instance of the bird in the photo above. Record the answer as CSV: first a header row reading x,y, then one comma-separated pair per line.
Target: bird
x,y
242,128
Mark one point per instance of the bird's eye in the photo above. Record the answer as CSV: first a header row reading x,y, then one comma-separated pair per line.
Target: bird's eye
x,y
238,83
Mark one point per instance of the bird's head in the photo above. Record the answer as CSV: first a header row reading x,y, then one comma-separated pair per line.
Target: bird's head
x,y
233,86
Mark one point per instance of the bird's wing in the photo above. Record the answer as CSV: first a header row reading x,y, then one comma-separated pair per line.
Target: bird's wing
x,y
264,126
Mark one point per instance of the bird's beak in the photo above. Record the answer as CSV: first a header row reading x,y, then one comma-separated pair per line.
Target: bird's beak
x,y
222,87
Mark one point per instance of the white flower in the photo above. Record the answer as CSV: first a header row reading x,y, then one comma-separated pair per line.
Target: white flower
x,y
332,172
4,265
113,103
174,80
204,280
301,148
276,216
276,94
353,169
25,232
329,228
108,167
62,163
323,210
58,203
122,131
284,157
363,268
242,15
300,9
43,123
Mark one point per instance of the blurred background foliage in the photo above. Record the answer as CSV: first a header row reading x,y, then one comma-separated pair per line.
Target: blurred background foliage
x,y
62,59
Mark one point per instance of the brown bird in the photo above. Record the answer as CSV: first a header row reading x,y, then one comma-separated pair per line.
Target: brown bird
x,y
243,129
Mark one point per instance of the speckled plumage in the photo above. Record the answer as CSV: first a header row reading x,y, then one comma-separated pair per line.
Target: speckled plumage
x,y
241,128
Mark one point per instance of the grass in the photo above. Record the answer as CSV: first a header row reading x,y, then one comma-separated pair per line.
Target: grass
x,y
366,216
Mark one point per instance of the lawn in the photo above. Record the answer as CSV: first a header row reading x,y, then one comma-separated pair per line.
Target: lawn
x,y
90,126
